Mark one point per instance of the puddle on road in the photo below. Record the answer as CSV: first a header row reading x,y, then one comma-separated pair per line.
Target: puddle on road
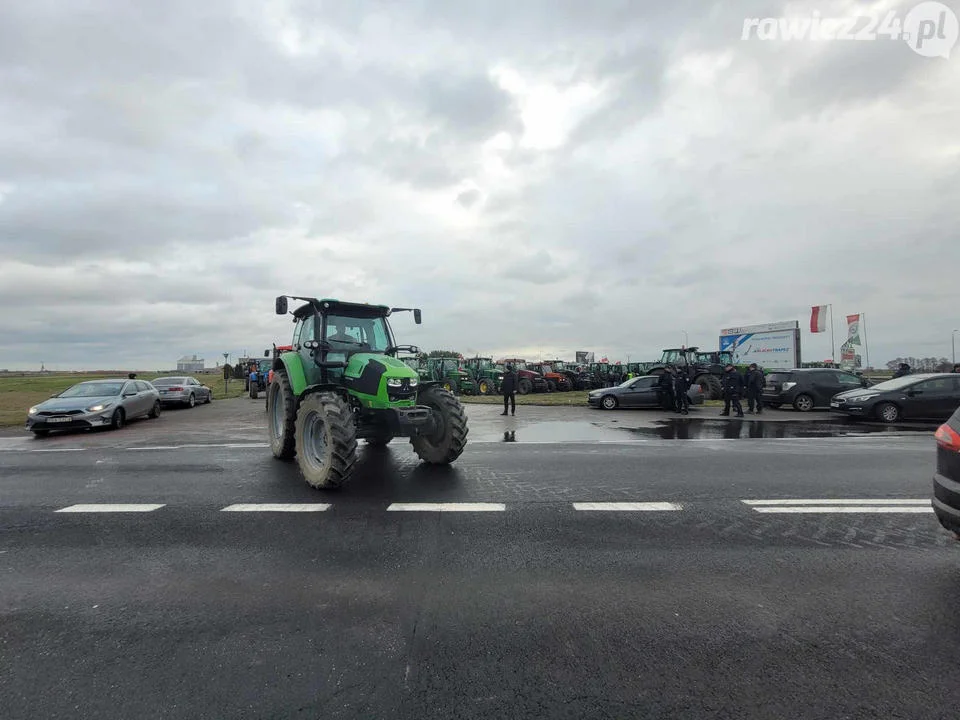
x,y
698,429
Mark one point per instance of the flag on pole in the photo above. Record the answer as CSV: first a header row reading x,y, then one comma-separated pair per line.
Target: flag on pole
x,y
818,319
853,329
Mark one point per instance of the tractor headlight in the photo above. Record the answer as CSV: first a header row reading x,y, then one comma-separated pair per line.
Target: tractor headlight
x,y
394,382
413,382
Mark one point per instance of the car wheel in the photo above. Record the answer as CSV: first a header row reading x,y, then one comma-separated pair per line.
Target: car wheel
x,y
888,412
609,402
803,403
191,401
155,413
118,420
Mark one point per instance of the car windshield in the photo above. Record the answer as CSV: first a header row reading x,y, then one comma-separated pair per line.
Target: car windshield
x,y
369,334
92,389
895,383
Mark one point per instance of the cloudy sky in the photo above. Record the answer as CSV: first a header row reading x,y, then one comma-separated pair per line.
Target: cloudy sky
x,y
537,175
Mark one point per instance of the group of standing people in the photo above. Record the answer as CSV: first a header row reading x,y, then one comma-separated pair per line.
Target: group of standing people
x,y
736,386
673,386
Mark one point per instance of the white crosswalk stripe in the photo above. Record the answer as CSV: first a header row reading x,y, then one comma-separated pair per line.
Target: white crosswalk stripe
x,y
628,506
277,507
110,508
841,505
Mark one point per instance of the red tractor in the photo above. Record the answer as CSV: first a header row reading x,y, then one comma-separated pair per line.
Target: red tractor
x,y
528,380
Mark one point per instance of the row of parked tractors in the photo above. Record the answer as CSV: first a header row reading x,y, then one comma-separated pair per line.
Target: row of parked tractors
x,y
483,375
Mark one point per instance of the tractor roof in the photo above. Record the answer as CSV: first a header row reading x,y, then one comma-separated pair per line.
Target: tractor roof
x,y
687,349
338,307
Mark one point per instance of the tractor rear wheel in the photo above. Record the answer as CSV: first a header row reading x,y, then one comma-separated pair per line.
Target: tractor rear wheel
x,y
449,436
710,384
524,386
281,416
326,440
254,390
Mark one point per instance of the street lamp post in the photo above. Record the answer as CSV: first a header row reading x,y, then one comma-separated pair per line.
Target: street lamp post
x,y
686,338
953,345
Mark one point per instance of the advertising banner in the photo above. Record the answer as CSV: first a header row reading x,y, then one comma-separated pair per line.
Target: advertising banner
x,y
772,345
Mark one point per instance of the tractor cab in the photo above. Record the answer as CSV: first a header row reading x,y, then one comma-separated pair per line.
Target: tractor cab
x,y
679,357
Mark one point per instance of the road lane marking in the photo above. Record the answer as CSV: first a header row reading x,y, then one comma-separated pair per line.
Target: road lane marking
x,y
841,501
629,506
841,505
446,507
872,509
276,507
108,508
45,450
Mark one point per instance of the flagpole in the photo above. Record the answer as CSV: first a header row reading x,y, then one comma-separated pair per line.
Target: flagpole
x,y
866,349
833,345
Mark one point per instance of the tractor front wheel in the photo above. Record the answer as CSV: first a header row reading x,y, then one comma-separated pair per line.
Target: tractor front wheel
x,y
485,387
281,416
524,386
710,384
449,436
326,440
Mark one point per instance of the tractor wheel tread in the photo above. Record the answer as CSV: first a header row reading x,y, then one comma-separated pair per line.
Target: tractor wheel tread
x,y
283,446
337,417
445,450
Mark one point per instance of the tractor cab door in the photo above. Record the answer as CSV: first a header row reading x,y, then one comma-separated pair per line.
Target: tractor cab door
x,y
306,331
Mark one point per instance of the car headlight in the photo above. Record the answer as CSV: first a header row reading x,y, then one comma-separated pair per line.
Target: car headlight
x,y
858,398
98,408
33,410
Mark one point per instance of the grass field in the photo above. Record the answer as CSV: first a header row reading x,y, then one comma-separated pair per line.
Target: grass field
x,y
17,394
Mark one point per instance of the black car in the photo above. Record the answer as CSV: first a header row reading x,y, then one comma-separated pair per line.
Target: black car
x,y
930,396
946,481
808,388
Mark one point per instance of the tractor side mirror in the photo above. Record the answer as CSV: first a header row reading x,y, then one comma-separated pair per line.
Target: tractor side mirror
x,y
266,353
281,305
417,317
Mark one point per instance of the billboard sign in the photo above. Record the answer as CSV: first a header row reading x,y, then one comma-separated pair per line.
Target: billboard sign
x,y
771,345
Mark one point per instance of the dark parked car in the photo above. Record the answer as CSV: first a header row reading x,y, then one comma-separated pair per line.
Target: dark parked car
x,y
808,388
932,396
95,403
946,481
637,392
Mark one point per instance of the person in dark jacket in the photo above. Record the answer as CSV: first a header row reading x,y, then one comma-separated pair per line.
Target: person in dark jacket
x,y
904,369
665,387
681,384
508,386
754,382
732,383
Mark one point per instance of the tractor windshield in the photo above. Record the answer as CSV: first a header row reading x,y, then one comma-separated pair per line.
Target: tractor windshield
x,y
367,334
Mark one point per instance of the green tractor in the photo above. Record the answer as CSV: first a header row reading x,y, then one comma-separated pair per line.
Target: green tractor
x,y
705,369
449,372
342,382
485,373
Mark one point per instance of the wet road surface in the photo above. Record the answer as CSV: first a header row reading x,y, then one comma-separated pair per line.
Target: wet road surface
x,y
581,570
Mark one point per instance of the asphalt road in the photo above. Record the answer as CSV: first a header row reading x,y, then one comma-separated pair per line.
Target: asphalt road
x,y
523,594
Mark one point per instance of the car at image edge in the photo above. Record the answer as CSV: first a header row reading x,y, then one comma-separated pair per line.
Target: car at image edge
x,y
641,392
182,390
95,403
927,396
946,480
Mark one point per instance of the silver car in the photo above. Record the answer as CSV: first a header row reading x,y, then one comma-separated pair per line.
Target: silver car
x,y
182,391
95,403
